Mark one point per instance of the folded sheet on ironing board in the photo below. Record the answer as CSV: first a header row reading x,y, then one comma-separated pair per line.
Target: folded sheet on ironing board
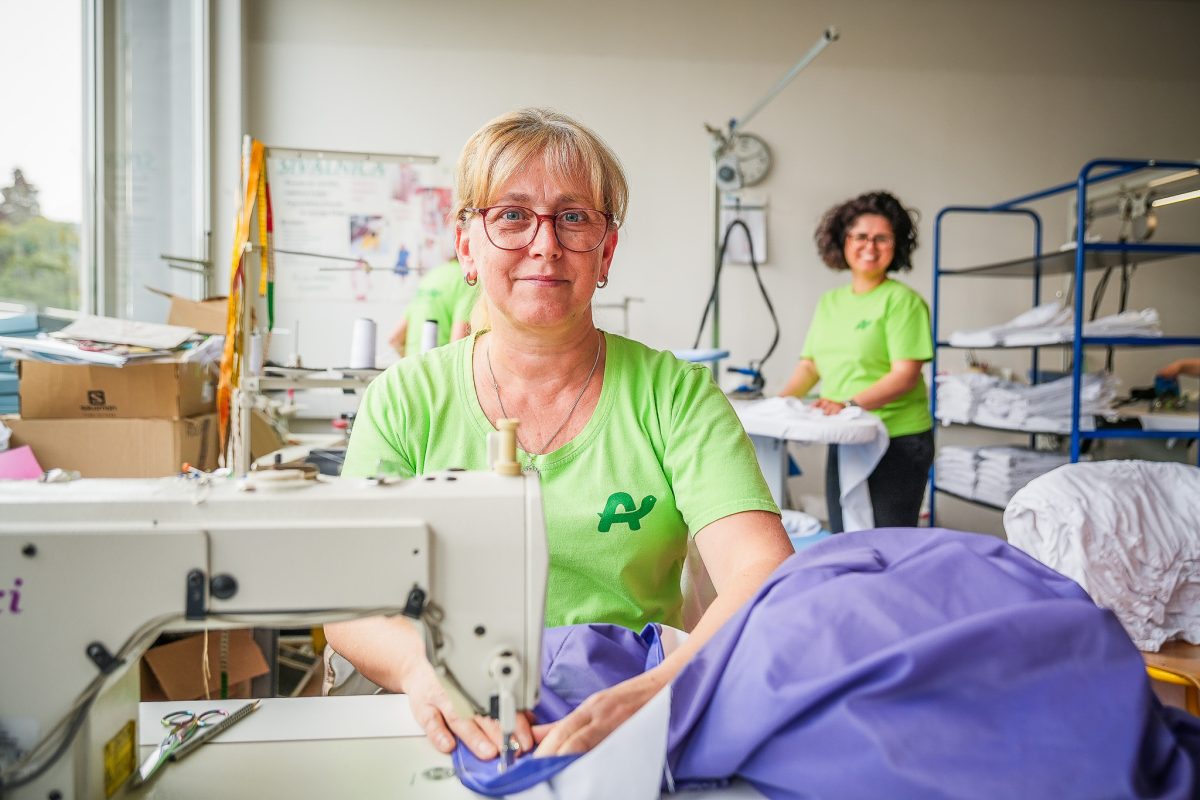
x,y
791,419
856,462
861,438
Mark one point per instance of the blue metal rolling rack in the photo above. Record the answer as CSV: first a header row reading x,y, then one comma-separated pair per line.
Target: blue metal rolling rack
x,y
1084,257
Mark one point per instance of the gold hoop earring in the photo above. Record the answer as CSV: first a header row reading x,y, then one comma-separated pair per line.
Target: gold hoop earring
x,y
471,278
600,284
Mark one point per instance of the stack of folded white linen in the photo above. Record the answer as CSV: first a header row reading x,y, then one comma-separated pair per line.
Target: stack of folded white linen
x,y
1127,323
1052,323
1045,407
955,469
992,474
1047,315
1002,471
958,396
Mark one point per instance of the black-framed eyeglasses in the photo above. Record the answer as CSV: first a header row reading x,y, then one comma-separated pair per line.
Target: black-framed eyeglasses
x,y
579,230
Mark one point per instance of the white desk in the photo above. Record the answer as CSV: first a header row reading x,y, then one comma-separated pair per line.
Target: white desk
x,y
360,747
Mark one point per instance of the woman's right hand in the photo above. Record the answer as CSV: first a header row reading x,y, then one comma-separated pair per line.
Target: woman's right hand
x,y
830,407
391,652
432,708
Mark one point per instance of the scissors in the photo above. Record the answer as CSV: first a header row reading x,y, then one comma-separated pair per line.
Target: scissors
x,y
180,726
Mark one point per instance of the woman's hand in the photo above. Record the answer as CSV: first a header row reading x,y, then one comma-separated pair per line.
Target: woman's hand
x,y
597,717
829,406
433,710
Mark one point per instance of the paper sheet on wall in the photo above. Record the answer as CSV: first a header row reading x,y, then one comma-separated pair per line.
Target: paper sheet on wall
x,y
738,249
388,219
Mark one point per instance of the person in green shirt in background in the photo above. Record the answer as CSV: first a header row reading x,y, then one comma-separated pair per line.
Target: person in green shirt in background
x,y
866,345
443,297
639,453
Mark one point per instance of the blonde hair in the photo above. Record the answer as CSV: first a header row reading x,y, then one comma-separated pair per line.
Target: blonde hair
x,y
571,152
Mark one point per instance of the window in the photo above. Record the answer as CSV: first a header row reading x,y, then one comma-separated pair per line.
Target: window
x,y
103,153
41,153
154,173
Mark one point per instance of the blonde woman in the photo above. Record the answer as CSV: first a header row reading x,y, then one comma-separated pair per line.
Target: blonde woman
x,y
637,451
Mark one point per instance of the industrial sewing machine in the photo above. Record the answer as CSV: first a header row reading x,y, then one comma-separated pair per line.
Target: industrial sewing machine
x,y
93,570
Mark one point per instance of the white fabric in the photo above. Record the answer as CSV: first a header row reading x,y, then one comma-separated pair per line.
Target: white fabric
x,y
5,434
1051,323
1047,314
987,400
799,524
1128,532
628,763
991,474
861,437
855,465
791,419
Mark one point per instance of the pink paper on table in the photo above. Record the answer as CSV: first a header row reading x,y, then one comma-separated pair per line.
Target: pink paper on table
x,y
19,464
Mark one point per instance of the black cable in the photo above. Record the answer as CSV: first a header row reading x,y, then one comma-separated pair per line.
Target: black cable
x,y
761,287
1098,294
76,723
1126,281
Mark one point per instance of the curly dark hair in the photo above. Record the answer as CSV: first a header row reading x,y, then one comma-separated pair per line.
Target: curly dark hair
x,y
831,233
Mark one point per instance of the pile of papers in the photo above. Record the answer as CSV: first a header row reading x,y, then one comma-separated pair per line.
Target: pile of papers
x,y
112,342
1051,323
974,398
992,475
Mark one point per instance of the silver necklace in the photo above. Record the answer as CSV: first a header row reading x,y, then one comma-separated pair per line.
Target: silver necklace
x,y
496,388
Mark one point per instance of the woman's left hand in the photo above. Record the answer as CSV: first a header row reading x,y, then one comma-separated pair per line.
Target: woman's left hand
x,y
596,717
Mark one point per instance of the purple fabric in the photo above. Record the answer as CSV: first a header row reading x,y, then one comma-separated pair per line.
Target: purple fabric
x,y
905,663
577,662
927,663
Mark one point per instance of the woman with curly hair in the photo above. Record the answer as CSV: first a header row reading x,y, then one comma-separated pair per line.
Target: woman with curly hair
x,y
866,345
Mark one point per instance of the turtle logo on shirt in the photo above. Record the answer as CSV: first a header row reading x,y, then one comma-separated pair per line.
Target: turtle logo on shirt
x,y
629,514
863,324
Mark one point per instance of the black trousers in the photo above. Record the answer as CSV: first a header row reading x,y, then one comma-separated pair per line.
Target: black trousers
x,y
897,485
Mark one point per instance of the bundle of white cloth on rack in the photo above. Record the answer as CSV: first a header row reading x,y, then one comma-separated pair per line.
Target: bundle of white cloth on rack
x,y
954,469
1045,407
992,474
1050,314
1003,471
1052,323
959,395
1128,532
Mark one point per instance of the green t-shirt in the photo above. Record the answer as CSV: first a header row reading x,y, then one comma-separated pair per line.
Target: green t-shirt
x,y
662,456
854,338
444,296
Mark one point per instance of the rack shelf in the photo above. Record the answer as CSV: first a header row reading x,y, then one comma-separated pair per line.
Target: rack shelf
x,y
1075,261
1139,433
1001,428
971,500
1098,255
1089,341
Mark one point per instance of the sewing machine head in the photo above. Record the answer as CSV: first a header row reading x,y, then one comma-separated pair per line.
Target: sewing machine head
x,y
100,567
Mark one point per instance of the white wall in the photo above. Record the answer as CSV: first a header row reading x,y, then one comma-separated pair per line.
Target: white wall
x,y
940,101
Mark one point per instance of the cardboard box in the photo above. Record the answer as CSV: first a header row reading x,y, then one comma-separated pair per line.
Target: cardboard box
x,y
206,316
175,671
119,448
264,437
156,389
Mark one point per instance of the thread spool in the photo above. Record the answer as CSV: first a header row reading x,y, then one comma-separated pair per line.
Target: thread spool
x,y
429,335
502,448
362,344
